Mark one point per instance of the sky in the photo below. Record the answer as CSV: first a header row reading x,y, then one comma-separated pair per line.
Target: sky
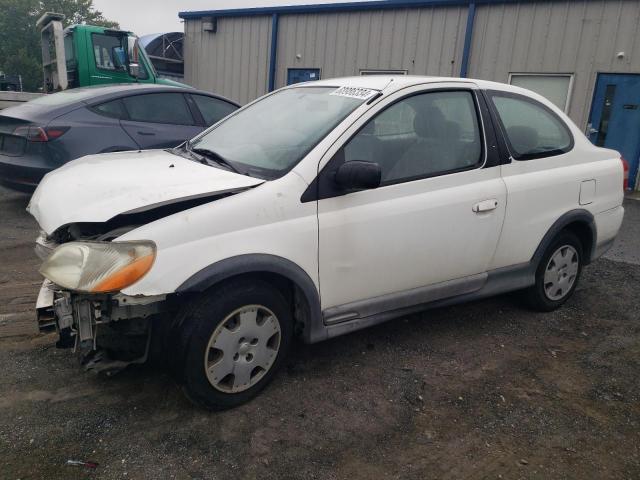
x,y
157,16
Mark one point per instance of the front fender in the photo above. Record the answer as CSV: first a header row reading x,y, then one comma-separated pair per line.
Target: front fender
x,y
262,263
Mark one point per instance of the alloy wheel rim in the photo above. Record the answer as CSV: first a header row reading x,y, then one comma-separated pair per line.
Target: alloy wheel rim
x,y
561,272
242,349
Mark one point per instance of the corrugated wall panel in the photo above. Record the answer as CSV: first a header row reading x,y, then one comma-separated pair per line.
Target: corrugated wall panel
x,y
232,62
577,37
423,41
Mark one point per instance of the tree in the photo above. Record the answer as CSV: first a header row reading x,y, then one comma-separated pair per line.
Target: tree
x,y
20,52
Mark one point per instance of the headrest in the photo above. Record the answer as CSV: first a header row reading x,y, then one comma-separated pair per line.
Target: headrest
x,y
452,131
429,122
523,139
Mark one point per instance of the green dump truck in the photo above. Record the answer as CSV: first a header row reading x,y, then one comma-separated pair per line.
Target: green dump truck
x,y
82,55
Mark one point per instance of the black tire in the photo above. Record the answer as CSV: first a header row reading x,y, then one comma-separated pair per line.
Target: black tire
x,y
536,296
202,317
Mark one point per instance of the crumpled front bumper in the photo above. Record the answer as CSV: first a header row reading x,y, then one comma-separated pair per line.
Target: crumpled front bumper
x,y
74,317
95,323
45,314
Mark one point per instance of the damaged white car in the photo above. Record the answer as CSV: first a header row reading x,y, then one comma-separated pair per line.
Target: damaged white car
x,y
317,210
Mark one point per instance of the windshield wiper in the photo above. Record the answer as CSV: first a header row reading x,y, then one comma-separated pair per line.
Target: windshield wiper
x,y
216,157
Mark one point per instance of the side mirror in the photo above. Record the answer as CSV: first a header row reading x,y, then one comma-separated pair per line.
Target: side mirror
x,y
132,51
358,174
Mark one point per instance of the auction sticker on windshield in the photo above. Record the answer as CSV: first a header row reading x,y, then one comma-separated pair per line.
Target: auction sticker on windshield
x,y
355,92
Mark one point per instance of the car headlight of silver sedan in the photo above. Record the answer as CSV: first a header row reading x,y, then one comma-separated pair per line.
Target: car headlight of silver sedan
x,y
99,267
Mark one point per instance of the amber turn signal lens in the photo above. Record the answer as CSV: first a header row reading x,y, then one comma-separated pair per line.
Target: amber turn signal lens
x,y
126,276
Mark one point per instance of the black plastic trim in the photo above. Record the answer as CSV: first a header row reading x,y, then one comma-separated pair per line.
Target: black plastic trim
x,y
502,150
262,263
572,216
497,281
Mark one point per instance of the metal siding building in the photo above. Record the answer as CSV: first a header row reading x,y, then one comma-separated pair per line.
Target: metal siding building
x,y
573,50
580,38
234,61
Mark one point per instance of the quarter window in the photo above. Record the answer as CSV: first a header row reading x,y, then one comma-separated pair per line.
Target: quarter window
x,y
159,108
213,109
532,130
556,88
421,136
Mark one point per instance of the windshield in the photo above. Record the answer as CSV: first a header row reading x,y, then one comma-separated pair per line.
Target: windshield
x,y
271,136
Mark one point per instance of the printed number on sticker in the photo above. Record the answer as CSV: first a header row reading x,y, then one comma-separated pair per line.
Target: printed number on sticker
x,y
354,92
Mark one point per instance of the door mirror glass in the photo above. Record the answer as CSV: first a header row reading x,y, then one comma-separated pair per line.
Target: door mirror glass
x,y
358,174
134,61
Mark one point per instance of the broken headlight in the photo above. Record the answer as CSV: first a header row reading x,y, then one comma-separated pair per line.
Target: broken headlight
x,y
99,267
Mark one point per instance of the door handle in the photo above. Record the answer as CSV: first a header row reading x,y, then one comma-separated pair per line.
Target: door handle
x,y
148,134
485,206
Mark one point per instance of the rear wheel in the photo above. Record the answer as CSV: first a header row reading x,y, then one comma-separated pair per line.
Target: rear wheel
x,y
239,335
557,274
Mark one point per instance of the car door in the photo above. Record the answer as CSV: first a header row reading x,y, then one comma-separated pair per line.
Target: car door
x,y
430,230
159,120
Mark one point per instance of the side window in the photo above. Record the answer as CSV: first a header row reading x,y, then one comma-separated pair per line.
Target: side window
x,y
213,109
421,136
531,129
159,108
113,109
109,52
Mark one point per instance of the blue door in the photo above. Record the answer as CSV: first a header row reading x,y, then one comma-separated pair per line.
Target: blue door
x,y
297,75
615,117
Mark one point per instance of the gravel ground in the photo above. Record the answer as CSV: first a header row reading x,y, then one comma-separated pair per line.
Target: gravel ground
x,y
483,390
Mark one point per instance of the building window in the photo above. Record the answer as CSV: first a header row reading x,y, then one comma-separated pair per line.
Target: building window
x,y
297,75
554,87
383,72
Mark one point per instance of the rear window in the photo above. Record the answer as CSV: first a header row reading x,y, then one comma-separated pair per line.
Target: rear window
x,y
159,108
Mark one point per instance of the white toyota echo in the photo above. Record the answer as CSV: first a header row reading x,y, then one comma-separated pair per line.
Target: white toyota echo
x,y
314,211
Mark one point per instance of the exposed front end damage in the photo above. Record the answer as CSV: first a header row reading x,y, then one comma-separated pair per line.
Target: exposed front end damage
x,y
109,332
84,209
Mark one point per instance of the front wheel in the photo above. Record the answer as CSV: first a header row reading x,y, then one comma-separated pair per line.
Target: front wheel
x,y
557,274
239,336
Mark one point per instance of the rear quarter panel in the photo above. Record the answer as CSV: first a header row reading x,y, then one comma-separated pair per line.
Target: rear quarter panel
x,y
89,133
540,191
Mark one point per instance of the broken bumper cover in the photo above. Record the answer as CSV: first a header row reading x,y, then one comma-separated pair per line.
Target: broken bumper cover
x,y
89,323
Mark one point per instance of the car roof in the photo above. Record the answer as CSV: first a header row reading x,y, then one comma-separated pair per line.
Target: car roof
x,y
42,111
119,90
390,83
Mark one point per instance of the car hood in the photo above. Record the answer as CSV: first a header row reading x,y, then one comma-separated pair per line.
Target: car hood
x,y
97,188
